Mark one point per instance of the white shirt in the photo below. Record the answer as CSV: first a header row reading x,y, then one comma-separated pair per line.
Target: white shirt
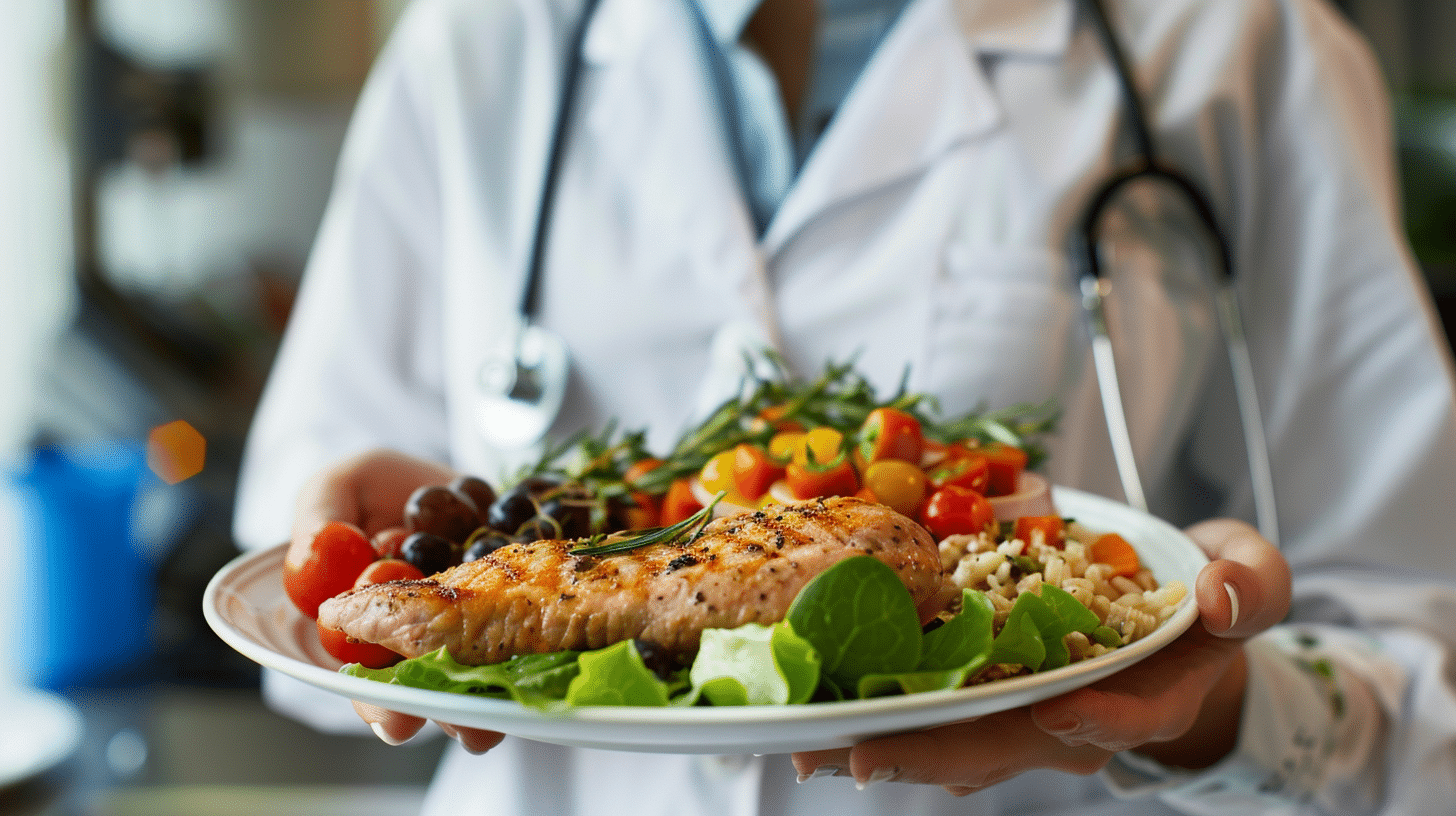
x,y
927,229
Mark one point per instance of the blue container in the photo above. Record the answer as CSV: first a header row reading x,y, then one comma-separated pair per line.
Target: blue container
x,y
88,595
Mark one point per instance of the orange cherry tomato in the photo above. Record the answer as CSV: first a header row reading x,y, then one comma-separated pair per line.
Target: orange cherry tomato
x,y
1007,462
964,468
351,650
325,565
823,447
956,510
889,433
754,470
786,445
679,503
1053,528
897,484
808,481
388,569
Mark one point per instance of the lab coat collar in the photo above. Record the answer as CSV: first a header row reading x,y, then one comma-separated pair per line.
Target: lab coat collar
x,y
889,128
886,130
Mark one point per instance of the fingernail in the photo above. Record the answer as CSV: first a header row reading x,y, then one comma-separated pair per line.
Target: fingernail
x,y
379,731
1233,603
821,771
1067,724
877,775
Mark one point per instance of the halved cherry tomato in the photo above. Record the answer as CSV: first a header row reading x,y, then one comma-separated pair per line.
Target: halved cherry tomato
x,y
754,470
351,650
889,433
955,510
326,565
641,509
717,477
896,484
785,445
774,417
388,569
962,467
1053,529
679,503
823,446
1007,463
808,481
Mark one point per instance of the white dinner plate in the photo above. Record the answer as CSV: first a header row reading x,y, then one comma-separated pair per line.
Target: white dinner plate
x,y
246,606
39,730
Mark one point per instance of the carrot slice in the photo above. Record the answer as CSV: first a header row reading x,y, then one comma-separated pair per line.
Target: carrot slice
x,y
1113,550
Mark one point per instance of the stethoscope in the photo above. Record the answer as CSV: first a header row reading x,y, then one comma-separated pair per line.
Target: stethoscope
x,y
522,381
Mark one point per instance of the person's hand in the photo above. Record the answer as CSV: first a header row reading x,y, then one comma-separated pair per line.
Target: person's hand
x,y
1180,706
370,491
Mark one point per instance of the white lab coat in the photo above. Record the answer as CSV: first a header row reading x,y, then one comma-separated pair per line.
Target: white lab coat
x,y
927,229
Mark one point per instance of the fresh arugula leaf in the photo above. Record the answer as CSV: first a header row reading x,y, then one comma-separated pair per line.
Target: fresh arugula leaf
x,y
859,617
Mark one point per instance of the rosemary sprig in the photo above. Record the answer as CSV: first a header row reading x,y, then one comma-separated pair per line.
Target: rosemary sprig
x,y
692,527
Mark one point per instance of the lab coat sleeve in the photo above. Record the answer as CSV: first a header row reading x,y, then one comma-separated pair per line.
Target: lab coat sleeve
x,y
1351,706
360,365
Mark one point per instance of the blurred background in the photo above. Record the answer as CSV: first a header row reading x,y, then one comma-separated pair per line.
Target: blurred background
x,y
165,164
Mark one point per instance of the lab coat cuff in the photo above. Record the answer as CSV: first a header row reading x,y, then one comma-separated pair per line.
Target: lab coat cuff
x,y
1311,724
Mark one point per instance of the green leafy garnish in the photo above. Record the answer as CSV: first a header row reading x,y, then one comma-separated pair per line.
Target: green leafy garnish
x,y
860,618
616,676
755,665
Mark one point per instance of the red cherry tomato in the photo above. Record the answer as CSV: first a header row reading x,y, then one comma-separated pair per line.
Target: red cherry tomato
x,y
641,509
754,470
388,569
1053,528
889,433
808,481
962,467
679,503
351,650
325,566
1006,464
387,541
955,510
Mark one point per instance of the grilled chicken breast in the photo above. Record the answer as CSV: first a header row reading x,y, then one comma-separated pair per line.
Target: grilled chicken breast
x,y
538,597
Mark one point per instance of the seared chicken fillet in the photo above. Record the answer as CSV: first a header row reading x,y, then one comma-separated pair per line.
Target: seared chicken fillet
x,y
538,597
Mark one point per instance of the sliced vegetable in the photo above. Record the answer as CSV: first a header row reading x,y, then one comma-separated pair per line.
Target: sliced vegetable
x,y
889,433
1006,463
754,470
679,504
1113,550
1053,529
963,468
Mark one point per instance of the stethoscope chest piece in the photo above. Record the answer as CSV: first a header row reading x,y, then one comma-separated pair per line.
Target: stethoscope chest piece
x,y
522,382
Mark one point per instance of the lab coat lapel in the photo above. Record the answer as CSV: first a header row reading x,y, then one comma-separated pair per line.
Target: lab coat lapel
x,y
925,92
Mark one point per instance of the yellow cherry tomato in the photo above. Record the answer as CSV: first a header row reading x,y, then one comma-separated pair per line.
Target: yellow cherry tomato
x,y
897,484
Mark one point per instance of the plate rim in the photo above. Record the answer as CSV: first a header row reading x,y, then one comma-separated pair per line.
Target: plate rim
x,y
593,725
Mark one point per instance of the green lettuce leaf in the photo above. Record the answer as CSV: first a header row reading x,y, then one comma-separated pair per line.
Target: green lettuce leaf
x,y
755,665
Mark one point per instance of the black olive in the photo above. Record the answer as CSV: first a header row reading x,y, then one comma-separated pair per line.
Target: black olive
x,y
571,513
485,544
429,552
519,504
477,492
537,529
439,510
656,658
